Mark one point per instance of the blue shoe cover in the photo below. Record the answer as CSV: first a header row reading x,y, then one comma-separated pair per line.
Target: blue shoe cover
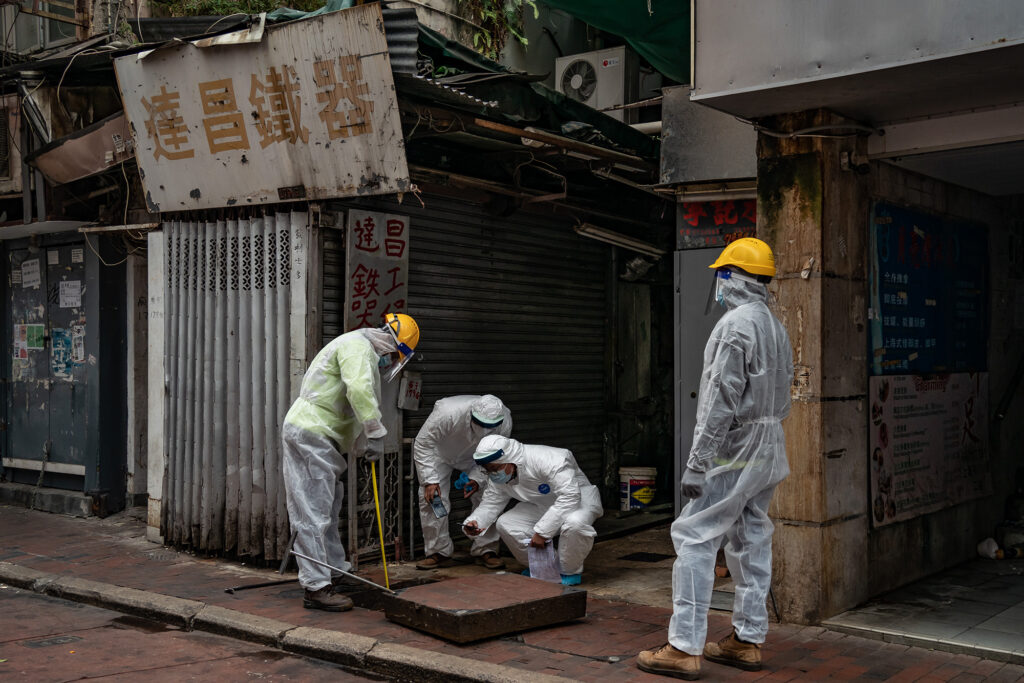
x,y
571,579
525,572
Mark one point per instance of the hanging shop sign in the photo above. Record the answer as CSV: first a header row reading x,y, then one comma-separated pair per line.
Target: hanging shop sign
x,y
928,443
306,110
706,225
376,267
929,293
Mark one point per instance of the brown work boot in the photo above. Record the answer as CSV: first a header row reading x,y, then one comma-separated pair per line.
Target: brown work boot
x,y
346,584
435,561
669,661
490,561
326,599
732,651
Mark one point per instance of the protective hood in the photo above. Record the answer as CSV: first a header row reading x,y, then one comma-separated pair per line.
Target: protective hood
x,y
512,450
736,292
381,340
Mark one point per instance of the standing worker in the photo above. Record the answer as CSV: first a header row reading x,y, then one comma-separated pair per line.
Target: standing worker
x,y
446,443
555,500
337,412
737,459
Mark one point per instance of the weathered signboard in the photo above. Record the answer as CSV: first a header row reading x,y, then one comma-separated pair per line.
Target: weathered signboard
x,y
307,112
706,225
376,267
929,443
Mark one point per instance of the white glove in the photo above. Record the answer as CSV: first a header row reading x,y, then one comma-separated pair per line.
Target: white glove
x,y
693,483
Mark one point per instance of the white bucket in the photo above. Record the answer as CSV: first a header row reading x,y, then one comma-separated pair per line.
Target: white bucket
x,y
636,487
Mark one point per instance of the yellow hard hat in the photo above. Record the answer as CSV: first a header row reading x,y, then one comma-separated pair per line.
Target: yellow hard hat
x,y
749,253
405,331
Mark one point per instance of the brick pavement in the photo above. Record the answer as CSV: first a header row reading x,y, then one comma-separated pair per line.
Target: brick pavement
x,y
602,646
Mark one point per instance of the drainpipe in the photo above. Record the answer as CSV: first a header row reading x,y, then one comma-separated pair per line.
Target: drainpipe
x,y
611,435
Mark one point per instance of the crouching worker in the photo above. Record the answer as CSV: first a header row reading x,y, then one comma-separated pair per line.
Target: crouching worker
x,y
337,412
446,443
555,499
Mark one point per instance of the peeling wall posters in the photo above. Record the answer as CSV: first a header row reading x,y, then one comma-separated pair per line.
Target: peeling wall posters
x,y
928,442
30,273
376,267
27,338
71,293
61,363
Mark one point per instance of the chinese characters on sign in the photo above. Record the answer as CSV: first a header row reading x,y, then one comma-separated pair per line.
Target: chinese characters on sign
x,y
223,126
704,225
928,293
927,443
376,267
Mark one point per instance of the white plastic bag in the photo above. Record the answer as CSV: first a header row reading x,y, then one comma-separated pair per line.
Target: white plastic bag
x,y
544,563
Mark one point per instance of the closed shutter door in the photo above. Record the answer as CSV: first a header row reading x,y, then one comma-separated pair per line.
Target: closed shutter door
x,y
515,307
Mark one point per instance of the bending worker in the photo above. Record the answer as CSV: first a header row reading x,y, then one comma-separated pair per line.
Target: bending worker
x,y
737,458
337,411
555,500
446,443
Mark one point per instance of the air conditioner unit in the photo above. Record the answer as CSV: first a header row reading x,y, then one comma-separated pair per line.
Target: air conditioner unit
x,y
601,79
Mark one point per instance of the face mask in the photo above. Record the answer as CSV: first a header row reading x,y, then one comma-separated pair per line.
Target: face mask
x,y
499,477
384,361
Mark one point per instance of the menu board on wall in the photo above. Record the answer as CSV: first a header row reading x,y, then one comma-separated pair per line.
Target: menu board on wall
x,y
929,293
929,443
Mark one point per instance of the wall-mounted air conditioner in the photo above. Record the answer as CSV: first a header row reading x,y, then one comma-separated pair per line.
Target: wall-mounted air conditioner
x,y
601,79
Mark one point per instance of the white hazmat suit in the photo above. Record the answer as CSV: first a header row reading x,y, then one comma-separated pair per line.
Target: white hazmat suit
x,y
337,410
445,444
555,499
738,443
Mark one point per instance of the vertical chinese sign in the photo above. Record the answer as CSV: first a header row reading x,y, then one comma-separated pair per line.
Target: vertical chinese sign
x,y
376,267
308,112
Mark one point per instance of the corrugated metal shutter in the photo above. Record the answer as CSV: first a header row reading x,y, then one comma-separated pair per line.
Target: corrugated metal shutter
x,y
227,341
511,306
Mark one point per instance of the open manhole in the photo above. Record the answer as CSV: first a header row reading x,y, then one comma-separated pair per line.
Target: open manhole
x,y
645,557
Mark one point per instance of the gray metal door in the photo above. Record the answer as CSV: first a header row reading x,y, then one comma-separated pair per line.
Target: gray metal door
x,y
48,402
693,327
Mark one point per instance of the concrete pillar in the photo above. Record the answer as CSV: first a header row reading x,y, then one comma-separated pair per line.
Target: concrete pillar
x,y
814,214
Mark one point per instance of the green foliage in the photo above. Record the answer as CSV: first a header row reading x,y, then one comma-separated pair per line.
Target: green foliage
x,y
495,21
199,8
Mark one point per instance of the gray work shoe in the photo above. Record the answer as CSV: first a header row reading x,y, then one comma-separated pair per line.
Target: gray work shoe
x,y
327,600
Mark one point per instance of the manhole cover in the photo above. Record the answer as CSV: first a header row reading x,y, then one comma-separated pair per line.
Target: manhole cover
x,y
645,557
59,640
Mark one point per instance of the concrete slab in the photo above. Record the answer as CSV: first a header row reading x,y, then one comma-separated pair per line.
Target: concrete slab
x,y
477,607
57,501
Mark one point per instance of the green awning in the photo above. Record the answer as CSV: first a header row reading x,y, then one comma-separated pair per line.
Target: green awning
x,y
662,35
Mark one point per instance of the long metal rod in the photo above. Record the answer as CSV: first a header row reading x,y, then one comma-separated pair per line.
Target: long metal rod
x,y
348,574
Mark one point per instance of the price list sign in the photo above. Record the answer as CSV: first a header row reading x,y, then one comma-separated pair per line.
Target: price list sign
x,y
929,293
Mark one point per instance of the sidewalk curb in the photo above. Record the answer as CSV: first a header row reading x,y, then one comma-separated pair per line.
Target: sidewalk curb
x,y
348,649
410,663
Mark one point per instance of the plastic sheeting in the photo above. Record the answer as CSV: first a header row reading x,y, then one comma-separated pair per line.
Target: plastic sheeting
x,y
658,29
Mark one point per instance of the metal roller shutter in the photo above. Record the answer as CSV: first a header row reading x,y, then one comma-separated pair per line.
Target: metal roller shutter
x,y
513,306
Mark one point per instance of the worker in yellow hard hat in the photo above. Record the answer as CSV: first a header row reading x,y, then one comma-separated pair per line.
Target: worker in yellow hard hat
x,y
737,458
337,412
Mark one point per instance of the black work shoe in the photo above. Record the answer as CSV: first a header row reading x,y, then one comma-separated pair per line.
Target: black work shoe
x,y
327,600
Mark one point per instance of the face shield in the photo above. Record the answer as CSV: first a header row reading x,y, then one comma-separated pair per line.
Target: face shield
x,y
715,290
406,353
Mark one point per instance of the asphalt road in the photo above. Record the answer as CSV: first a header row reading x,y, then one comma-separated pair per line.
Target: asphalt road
x,y
47,639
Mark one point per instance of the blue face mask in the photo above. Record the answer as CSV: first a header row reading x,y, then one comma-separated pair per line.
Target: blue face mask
x,y
499,477
384,361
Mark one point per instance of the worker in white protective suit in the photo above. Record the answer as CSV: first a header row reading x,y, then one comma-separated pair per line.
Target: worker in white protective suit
x,y
445,444
737,458
337,412
555,501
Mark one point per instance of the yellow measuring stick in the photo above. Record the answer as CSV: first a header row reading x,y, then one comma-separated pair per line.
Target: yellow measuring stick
x,y
380,527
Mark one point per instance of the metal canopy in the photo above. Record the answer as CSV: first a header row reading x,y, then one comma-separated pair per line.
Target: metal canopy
x,y
13,232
